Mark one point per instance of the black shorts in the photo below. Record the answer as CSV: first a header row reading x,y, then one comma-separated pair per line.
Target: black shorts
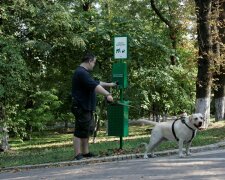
x,y
84,122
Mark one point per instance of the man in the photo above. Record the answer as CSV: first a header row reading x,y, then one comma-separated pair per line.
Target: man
x,y
84,89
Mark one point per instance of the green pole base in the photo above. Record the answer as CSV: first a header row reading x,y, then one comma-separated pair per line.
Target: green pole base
x,y
121,142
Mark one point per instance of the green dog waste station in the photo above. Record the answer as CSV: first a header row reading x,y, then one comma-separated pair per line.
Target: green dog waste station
x,y
117,112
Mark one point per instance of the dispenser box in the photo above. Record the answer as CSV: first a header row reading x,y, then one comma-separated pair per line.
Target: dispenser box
x,y
119,74
118,119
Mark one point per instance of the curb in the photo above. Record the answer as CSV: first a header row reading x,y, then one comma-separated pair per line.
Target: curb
x,y
111,158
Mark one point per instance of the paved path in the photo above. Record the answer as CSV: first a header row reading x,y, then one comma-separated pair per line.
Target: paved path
x,y
206,165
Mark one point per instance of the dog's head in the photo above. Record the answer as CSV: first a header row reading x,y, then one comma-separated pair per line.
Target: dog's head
x,y
197,120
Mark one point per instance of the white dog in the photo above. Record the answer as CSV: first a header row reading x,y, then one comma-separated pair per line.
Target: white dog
x,y
182,130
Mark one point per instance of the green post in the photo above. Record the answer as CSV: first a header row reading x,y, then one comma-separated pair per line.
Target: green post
x,y
121,94
121,142
121,138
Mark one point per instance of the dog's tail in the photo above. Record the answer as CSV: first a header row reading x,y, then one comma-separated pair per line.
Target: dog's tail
x,y
143,122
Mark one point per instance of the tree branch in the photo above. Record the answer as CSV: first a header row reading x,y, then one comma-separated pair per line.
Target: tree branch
x,y
160,14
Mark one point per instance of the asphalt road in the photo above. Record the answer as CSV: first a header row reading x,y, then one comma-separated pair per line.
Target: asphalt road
x,y
205,165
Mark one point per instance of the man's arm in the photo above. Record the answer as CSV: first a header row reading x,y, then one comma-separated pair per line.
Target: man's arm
x,y
104,84
100,90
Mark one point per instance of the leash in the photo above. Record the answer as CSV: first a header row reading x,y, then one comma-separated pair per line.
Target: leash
x,y
119,103
183,121
122,104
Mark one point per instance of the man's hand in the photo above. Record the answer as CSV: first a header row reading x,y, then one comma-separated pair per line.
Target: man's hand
x,y
113,84
109,98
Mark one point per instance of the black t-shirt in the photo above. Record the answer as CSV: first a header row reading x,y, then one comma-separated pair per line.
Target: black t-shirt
x,y
83,89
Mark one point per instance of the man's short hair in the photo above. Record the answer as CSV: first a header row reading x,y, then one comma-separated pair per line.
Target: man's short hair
x,y
88,57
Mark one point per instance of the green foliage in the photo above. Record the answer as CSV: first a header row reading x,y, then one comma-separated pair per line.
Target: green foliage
x,y
35,118
168,90
13,72
42,42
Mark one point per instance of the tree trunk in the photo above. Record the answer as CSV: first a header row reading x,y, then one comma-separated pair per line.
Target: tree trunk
x,y
2,113
219,95
204,77
87,5
219,52
219,107
4,138
4,146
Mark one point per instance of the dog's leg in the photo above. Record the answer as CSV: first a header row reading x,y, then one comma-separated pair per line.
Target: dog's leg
x,y
181,144
147,148
151,146
188,149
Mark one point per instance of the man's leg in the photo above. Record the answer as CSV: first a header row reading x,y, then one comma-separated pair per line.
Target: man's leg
x,y
77,145
83,128
85,148
85,145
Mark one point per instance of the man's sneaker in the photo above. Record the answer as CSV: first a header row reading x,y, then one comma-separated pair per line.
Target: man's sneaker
x,y
89,155
78,157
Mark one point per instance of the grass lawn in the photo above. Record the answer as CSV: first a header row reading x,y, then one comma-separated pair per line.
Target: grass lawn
x,y
56,147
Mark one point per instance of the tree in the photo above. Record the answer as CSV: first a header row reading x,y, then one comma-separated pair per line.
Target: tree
x,y
219,41
205,60
173,28
29,64
13,69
